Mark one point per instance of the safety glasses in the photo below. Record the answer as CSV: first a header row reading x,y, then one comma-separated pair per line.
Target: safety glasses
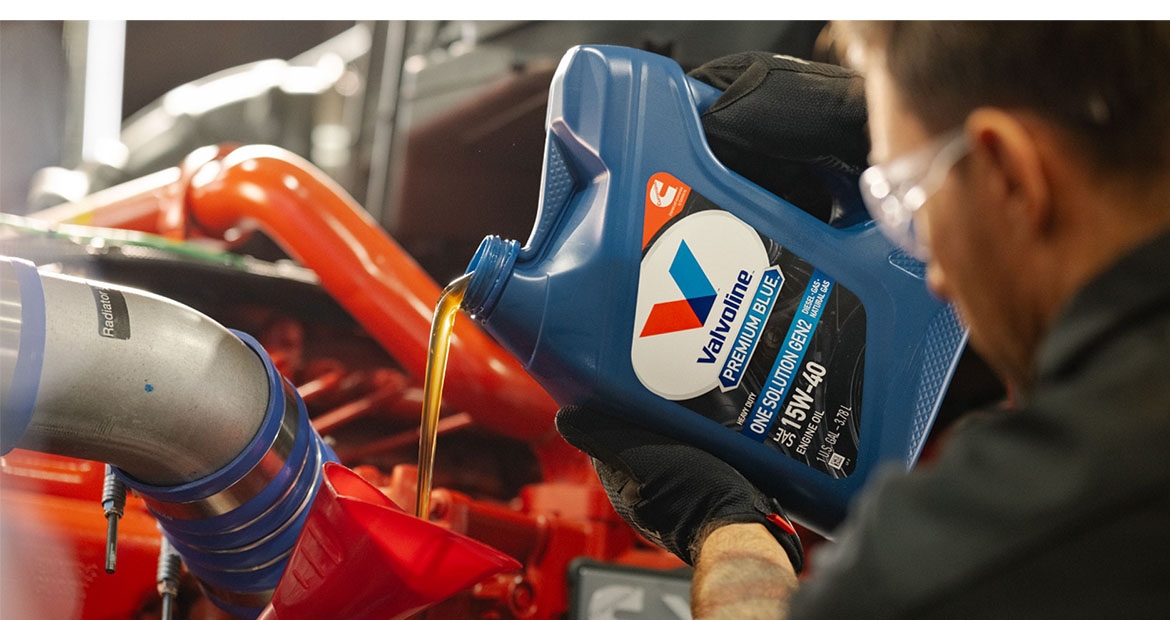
x,y
895,190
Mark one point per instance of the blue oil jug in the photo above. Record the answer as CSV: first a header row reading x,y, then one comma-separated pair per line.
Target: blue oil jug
x,y
661,286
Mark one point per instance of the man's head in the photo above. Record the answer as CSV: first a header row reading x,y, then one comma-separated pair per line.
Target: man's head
x,y
1058,163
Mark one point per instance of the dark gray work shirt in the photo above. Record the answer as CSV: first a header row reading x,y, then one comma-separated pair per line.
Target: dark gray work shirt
x,y
1057,509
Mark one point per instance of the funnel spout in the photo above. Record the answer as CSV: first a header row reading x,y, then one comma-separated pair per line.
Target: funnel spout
x,y
355,531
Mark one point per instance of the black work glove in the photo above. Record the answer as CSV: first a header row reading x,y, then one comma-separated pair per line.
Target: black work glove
x,y
671,493
793,127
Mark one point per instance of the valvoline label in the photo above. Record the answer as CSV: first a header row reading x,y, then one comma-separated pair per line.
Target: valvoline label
x,y
736,328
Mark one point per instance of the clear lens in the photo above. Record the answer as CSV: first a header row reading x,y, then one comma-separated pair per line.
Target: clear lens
x,y
894,191
891,215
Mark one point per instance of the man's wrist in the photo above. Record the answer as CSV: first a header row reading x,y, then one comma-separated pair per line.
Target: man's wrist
x,y
766,512
742,572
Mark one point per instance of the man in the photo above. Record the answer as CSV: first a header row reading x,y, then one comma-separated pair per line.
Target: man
x,y
1029,165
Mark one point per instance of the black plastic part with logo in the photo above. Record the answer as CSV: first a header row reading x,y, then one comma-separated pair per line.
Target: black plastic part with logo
x,y
601,591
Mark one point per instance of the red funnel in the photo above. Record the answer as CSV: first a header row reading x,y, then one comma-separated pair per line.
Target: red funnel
x,y
361,557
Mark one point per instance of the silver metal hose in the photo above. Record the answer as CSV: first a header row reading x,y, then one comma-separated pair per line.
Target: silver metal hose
x,y
129,378
192,416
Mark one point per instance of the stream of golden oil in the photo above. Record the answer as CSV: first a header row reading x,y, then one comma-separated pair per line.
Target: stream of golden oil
x,y
442,325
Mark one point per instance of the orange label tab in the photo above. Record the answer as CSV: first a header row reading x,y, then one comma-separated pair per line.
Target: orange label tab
x,y
665,197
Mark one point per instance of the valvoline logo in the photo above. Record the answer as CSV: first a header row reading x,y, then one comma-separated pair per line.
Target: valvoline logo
x,y
699,296
697,283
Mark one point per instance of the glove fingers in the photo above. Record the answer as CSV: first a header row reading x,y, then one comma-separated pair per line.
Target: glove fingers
x,y
723,72
665,489
625,495
795,128
601,435
789,109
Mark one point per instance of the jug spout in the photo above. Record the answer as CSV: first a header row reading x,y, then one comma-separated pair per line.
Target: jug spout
x,y
489,269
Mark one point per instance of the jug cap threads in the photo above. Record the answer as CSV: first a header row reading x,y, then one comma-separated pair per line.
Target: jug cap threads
x,y
489,268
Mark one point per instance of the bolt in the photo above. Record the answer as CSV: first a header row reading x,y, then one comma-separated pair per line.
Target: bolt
x,y
522,598
113,504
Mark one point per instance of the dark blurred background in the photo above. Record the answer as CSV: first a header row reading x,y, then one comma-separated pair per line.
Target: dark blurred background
x,y
386,108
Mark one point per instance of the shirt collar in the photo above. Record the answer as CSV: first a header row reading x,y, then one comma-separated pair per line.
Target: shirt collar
x,y
1134,286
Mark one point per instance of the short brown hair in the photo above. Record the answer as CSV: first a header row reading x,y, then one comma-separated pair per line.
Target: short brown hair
x,y
1107,83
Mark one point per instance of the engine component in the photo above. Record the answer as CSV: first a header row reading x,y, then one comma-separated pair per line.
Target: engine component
x,y
233,521
192,417
95,390
544,516
169,569
114,505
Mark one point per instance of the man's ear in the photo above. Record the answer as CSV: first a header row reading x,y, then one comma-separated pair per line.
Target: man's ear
x,y
1012,159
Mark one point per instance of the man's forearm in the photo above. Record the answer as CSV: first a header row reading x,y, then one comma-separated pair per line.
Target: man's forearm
x,y
742,573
